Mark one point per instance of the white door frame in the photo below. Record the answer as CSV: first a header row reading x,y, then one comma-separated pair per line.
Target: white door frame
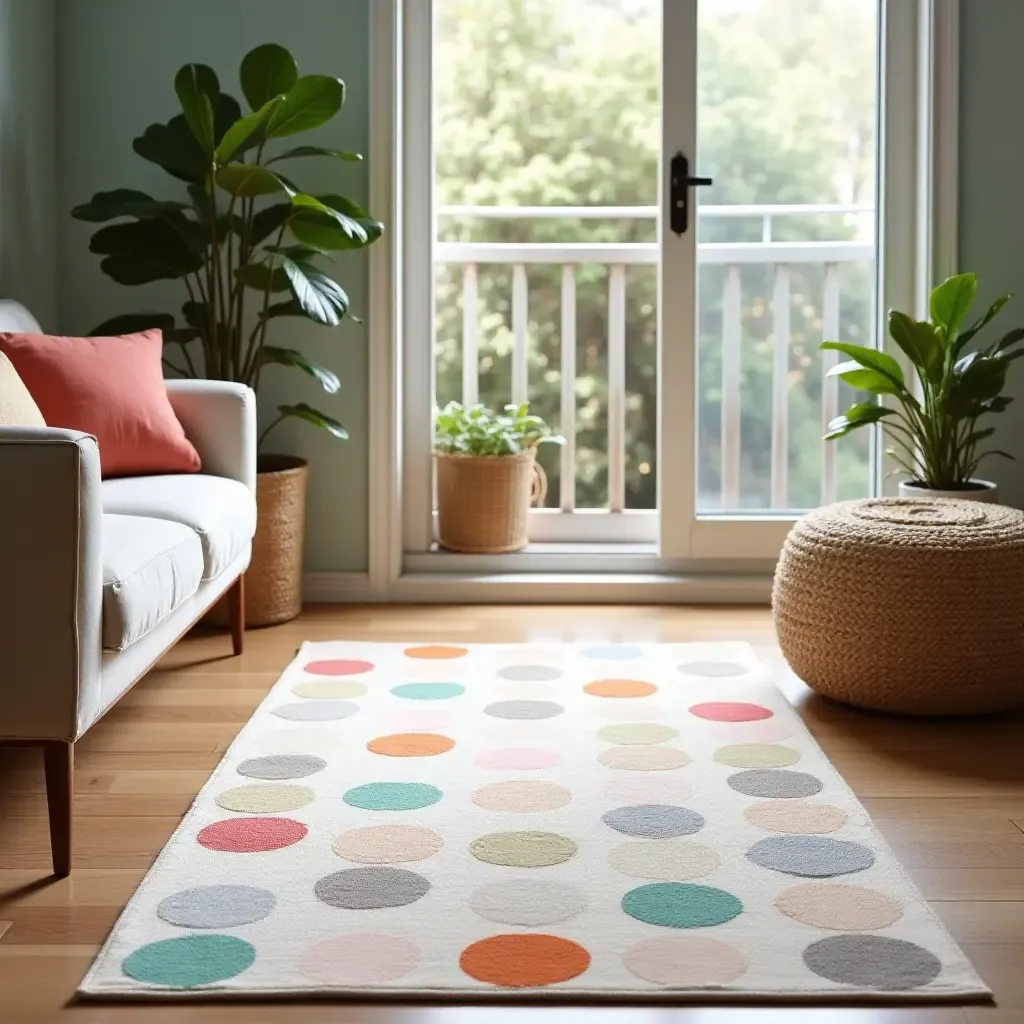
x,y
917,198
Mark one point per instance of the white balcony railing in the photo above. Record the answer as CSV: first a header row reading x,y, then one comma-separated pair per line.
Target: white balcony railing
x,y
733,255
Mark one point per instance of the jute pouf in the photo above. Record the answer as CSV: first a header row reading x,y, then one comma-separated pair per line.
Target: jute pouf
x,y
905,604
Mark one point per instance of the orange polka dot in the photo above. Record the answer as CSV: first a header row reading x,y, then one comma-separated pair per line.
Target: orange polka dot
x,y
435,652
524,961
411,744
620,688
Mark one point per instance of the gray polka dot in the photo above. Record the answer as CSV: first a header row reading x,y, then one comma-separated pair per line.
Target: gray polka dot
x,y
713,669
654,821
872,961
216,906
526,902
775,783
810,856
524,709
371,888
282,766
317,710
530,673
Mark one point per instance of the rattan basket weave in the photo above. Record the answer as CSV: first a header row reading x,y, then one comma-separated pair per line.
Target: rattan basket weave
x,y
483,501
907,605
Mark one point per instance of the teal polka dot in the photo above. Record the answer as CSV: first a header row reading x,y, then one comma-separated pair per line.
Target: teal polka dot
x,y
675,905
393,796
428,691
190,960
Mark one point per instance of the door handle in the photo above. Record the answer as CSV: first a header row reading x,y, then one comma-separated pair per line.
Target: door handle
x,y
679,193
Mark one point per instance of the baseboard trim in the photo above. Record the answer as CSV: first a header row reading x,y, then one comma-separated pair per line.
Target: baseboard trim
x,y
541,588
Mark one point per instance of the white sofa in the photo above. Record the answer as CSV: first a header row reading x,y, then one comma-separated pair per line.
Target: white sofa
x,y
98,578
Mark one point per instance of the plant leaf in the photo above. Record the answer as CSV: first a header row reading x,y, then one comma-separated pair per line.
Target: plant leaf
x,y
249,180
246,132
871,359
321,298
1010,339
197,88
919,342
309,103
861,379
951,300
346,225
976,379
269,220
267,71
303,151
860,415
314,416
261,275
132,323
173,147
327,379
123,202
159,247
964,338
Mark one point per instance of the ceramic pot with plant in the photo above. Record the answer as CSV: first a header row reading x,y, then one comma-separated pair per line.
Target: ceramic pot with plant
x,y
251,250
935,420
488,476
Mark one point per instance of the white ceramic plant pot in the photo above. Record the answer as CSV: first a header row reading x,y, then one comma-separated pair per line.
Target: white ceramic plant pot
x,y
983,490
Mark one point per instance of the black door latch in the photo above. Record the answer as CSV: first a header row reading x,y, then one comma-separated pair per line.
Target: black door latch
x,y
679,193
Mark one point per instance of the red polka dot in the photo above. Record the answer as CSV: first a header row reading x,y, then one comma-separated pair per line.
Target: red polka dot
x,y
730,711
251,835
338,667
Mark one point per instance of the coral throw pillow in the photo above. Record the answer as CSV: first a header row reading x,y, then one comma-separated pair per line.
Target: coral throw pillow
x,y
112,388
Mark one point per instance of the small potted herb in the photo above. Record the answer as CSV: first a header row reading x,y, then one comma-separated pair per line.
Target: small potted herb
x,y
933,425
488,476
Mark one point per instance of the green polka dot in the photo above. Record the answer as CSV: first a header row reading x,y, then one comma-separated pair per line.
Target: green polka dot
x,y
393,796
190,960
757,755
679,905
637,733
428,691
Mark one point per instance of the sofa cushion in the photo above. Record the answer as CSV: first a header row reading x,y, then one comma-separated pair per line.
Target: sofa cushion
x,y
150,566
221,511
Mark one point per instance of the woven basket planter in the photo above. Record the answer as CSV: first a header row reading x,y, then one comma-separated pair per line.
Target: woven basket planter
x,y
906,605
483,501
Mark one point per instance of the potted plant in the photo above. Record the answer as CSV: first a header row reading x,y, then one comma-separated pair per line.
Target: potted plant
x,y
933,422
488,476
247,245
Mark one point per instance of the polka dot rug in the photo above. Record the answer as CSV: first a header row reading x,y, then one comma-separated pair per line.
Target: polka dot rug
x,y
607,821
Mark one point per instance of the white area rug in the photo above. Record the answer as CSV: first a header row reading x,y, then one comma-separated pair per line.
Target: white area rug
x,y
640,822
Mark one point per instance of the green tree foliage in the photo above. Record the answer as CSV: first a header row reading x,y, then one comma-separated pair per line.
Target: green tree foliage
x,y
556,103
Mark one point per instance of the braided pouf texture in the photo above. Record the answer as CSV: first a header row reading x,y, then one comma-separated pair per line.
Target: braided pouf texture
x,y
907,605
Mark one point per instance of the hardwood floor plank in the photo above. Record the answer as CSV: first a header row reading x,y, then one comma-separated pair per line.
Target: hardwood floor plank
x,y
949,797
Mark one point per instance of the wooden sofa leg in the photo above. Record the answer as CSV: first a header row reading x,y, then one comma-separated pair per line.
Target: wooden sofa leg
x,y
236,613
59,758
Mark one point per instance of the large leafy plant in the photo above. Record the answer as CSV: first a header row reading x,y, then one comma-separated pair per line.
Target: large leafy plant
x,y
478,430
245,241
932,420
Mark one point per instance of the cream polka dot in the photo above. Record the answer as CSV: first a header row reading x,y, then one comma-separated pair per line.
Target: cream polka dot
x,y
685,961
521,797
329,689
840,908
265,798
643,758
388,844
796,817
757,755
667,860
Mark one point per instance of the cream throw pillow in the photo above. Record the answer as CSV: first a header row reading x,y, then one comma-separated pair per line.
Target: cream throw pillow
x,y
17,408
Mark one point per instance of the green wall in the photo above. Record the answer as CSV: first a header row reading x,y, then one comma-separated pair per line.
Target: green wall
x,y
116,61
992,192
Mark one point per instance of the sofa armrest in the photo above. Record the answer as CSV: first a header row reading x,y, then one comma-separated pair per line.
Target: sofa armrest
x,y
219,418
51,582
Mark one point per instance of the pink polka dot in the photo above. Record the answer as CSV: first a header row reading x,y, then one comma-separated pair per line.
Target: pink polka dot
x,y
518,758
730,711
338,667
251,835
360,958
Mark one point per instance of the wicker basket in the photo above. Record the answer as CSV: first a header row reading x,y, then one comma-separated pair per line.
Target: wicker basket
x,y
483,501
273,581
904,604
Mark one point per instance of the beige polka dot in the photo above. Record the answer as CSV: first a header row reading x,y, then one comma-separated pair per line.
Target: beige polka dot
x,y
329,689
756,755
265,798
521,797
667,860
685,961
796,817
387,844
841,908
643,758
523,849
637,732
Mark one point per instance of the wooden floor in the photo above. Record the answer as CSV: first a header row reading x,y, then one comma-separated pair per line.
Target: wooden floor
x,y
949,797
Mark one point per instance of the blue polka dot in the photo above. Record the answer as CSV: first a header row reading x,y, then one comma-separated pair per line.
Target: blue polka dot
x,y
392,796
190,960
428,691
612,652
